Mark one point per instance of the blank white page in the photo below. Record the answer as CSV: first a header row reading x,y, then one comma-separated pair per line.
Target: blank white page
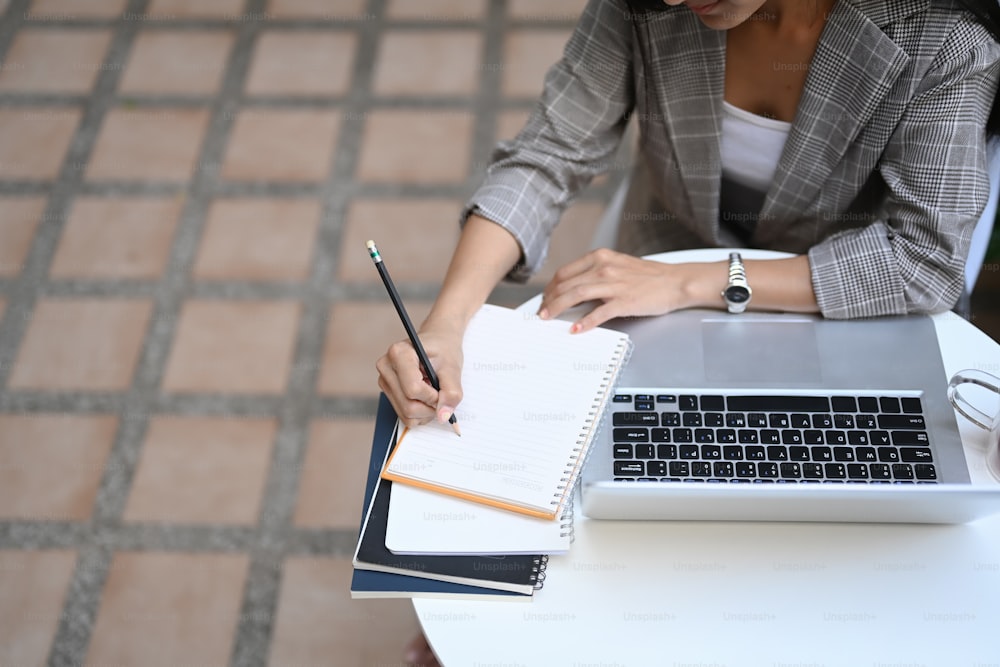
x,y
533,394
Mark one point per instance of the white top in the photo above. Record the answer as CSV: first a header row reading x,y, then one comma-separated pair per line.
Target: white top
x,y
751,147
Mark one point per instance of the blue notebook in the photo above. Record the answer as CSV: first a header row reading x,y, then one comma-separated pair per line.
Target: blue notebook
x,y
368,583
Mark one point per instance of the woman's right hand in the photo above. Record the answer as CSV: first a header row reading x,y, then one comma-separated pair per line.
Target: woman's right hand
x,y
404,382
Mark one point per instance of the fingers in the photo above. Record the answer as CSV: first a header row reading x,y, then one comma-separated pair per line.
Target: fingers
x,y
402,380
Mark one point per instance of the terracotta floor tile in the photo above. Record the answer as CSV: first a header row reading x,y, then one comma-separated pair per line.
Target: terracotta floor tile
x,y
33,587
178,62
124,238
528,55
436,10
242,347
316,9
331,493
19,218
358,334
51,465
81,344
510,123
202,470
316,619
168,150
428,62
571,239
258,239
33,141
281,145
415,146
287,62
168,609
195,9
416,237
77,9
550,10
54,61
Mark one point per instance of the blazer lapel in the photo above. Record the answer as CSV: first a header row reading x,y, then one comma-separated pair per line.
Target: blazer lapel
x,y
690,98
857,61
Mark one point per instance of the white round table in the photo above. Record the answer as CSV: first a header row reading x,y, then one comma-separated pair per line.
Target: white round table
x,y
768,594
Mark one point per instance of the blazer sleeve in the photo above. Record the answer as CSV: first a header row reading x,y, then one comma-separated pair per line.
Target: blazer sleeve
x,y
934,166
575,126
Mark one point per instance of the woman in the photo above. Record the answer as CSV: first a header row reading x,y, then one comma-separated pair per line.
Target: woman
x,y
848,132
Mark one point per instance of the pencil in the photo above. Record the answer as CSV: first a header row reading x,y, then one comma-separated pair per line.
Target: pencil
x,y
408,325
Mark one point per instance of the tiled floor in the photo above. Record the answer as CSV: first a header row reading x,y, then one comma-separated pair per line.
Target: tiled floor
x,y
188,317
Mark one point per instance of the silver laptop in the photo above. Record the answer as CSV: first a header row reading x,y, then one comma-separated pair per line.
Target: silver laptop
x,y
782,417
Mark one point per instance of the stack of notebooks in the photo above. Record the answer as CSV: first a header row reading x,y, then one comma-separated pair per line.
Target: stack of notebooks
x,y
478,516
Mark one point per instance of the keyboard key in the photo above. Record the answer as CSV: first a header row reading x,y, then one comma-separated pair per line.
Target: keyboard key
x,y
670,419
866,421
713,419
770,437
725,435
857,437
656,468
799,454
881,437
778,403
866,454
746,469
688,451
925,471
736,419
822,454
643,405
666,452
666,398
691,419
777,453
682,435
713,403
822,421
812,470
630,435
902,422
711,452
867,404
648,398
754,453
747,436
732,453
835,470
659,434
915,455
812,437
801,420
634,468
911,406
791,437
643,451
634,419
756,420
844,404
791,471
622,451
857,471
778,420
843,453
687,402
843,421
767,469
701,469
889,404
888,454
680,469
880,471
835,437
910,438
622,398
902,471
722,469
704,435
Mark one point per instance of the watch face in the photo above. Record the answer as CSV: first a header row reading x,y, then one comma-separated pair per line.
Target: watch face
x,y
737,294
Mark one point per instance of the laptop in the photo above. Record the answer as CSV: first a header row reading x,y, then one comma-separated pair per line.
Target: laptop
x,y
781,417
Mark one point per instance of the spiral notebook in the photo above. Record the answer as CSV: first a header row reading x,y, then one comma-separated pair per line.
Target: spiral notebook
x,y
534,395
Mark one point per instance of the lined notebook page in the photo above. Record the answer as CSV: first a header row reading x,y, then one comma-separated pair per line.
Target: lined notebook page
x,y
533,393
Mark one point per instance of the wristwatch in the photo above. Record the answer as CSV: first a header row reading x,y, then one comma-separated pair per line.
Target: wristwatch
x,y
737,293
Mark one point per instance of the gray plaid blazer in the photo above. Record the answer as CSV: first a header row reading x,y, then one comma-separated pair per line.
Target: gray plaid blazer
x,y
881,181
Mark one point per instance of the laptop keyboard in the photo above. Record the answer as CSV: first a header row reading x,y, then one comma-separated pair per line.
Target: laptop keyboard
x,y
676,436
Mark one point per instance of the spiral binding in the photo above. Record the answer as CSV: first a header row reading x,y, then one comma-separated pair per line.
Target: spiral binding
x,y
595,421
538,572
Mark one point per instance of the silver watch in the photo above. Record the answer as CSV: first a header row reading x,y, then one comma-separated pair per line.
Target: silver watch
x,y
737,293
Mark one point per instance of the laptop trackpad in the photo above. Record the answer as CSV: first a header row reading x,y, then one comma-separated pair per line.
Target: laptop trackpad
x,y
758,351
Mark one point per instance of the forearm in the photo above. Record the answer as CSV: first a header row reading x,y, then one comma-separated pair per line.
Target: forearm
x,y
778,284
486,252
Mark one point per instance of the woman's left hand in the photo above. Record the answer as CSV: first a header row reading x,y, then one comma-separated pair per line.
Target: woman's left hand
x,y
623,285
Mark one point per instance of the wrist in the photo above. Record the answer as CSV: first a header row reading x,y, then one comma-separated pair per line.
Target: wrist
x,y
701,284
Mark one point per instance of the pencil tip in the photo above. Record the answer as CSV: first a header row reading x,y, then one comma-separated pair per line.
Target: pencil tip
x,y
457,431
